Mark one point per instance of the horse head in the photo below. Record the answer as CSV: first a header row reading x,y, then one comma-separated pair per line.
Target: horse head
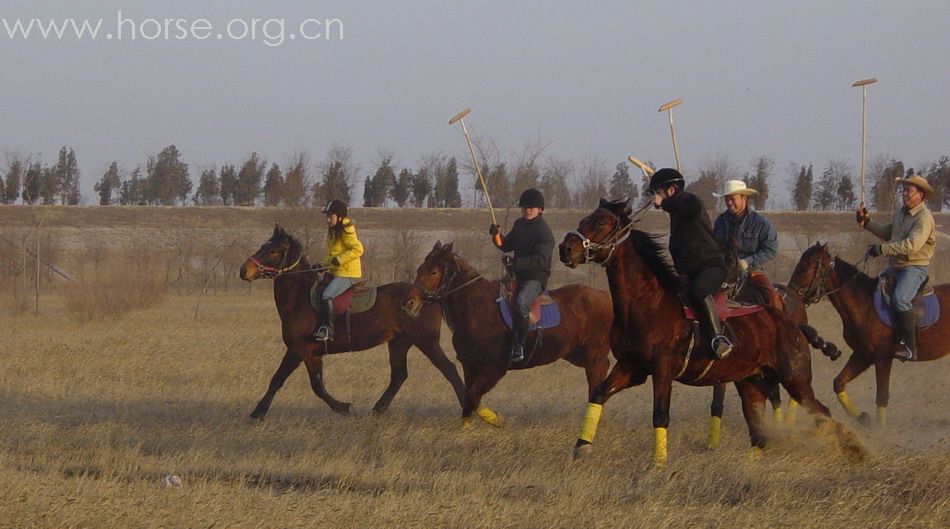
x,y
597,234
810,279
431,276
281,253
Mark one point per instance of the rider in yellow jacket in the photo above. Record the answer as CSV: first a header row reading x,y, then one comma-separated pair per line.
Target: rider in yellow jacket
x,y
342,262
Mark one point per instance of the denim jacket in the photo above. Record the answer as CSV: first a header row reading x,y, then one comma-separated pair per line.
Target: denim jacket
x,y
756,239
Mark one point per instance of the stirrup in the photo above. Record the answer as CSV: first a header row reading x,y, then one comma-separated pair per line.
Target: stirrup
x,y
322,334
903,353
517,353
721,340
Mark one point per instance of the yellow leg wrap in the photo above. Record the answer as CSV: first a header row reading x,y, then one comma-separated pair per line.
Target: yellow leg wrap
x,y
712,439
848,405
755,453
792,412
488,416
591,418
881,416
777,415
466,423
659,447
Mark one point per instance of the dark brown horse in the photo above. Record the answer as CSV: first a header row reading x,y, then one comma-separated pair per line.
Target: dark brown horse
x,y
482,341
651,337
281,259
851,292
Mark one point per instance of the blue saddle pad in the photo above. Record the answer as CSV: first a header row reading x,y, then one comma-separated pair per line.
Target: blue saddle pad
x,y
550,315
927,309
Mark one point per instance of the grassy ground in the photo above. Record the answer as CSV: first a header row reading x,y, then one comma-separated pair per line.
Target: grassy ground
x,y
93,416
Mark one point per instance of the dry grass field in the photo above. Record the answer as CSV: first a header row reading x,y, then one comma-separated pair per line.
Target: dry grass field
x,y
107,389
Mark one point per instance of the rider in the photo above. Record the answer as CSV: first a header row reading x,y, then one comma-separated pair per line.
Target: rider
x,y
342,262
532,242
694,250
911,238
756,241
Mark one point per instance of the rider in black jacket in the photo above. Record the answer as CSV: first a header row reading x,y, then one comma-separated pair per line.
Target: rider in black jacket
x,y
695,252
532,242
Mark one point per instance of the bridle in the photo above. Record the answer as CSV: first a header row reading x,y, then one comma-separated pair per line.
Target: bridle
x,y
444,288
817,289
617,235
272,272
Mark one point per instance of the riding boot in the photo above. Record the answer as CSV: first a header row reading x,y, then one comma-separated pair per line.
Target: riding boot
x,y
520,332
324,330
907,327
721,346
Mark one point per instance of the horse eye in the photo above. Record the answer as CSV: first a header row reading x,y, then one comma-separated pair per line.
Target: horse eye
x,y
433,272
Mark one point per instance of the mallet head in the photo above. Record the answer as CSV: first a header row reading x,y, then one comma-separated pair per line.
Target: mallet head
x,y
643,167
666,106
865,82
459,116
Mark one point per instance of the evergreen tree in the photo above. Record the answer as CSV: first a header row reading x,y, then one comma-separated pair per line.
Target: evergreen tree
x,y
66,174
273,186
209,189
14,179
296,181
499,186
526,176
421,187
802,193
108,184
402,189
132,192
621,185
882,191
380,184
338,173
846,198
228,186
554,183
760,181
447,185
249,180
167,180
939,178
31,183
49,185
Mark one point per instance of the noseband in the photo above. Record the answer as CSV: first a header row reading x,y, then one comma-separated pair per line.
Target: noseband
x,y
816,289
619,234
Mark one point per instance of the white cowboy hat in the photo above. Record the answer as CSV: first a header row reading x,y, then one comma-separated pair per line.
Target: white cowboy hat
x,y
736,187
920,183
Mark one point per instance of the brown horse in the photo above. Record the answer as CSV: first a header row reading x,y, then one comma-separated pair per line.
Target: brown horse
x,y
651,337
281,258
482,341
851,292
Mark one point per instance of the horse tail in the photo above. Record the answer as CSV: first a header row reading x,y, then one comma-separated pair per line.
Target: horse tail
x,y
827,348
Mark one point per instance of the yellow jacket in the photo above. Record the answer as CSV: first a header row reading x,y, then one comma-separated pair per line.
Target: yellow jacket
x,y
347,250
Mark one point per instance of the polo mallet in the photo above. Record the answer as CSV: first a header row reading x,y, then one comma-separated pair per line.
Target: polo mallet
x,y
863,83
647,173
460,117
668,107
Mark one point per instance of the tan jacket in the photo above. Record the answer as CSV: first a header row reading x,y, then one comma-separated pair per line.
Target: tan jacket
x,y
911,236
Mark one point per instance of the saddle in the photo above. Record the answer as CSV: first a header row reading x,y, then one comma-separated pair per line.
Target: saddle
x,y
725,308
926,305
544,312
358,298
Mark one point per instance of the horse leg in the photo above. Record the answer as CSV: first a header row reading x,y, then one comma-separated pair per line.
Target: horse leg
x,y
662,390
882,370
398,372
436,355
715,412
775,399
476,386
621,377
286,367
856,365
314,365
753,397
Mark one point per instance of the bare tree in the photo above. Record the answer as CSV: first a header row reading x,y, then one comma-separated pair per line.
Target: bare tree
x,y
593,184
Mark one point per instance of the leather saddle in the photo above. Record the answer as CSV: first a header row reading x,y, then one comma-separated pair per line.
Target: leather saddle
x,y
358,298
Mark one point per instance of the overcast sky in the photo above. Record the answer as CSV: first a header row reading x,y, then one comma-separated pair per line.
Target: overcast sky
x,y
756,78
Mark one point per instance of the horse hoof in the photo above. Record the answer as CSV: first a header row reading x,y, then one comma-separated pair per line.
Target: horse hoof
x,y
582,451
258,414
467,423
864,419
343,408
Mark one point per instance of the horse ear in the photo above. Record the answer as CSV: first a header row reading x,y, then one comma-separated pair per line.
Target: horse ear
x,y
627,210
437,245
277,230
603,203
448,247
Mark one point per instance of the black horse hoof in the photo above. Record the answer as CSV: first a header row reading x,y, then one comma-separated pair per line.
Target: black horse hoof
x,y
258,414
343,408
864,419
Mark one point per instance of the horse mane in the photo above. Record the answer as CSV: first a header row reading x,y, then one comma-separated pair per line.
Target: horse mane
x,y
655,254
852,273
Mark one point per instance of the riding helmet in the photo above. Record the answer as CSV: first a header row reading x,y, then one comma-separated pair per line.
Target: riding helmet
x,y
531,198
335,207
666,177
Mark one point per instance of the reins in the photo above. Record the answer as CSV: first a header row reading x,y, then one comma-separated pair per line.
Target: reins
x,y
443,291
815,290
616,237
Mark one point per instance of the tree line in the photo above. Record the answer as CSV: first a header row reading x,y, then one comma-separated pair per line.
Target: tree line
x,y
438,180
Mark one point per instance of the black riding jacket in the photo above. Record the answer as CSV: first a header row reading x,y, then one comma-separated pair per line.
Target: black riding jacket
x,y
533,244
692,244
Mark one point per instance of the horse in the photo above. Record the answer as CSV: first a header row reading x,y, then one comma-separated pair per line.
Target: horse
x,y
482,341
281,258
851,292
650,336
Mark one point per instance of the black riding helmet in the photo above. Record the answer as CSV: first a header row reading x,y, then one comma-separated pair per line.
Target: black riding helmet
x,y
531,198
666,177
336,207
